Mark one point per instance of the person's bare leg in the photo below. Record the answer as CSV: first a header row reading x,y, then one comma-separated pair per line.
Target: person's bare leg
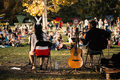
x,y
31,57
41,62
91,60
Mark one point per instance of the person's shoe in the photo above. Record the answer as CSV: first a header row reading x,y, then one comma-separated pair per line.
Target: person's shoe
x,y
33,67
56,49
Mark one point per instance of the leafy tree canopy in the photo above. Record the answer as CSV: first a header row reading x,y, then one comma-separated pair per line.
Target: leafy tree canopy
x,y
36,7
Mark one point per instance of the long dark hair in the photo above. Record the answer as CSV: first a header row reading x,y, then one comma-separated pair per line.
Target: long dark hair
x,y
39,32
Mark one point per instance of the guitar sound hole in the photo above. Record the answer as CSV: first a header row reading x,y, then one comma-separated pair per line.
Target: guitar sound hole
x,y
75,54
75,60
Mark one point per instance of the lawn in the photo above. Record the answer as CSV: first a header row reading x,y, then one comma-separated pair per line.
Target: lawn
x,y
18,57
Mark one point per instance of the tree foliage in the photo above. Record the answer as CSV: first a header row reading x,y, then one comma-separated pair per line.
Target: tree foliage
x,y
36,7
67,9
90,8
97,8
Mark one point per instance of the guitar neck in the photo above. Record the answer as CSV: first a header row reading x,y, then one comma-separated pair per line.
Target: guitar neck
x,y
76,42
77,38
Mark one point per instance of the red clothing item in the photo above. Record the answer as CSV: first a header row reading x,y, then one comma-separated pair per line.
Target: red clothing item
x,y
118,43
42,52
61,24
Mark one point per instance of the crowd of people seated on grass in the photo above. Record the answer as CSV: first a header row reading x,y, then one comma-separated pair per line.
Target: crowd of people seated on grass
x,y
11,37
55,37
112,26
14,37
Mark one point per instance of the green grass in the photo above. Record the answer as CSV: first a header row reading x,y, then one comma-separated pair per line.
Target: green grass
x,y
18,56
19,53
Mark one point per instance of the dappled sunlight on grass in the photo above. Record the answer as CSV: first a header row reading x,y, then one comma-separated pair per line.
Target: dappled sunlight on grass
x,y
19,56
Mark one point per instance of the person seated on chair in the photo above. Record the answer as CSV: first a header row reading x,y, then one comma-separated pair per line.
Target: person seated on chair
x,y
96,39
37,36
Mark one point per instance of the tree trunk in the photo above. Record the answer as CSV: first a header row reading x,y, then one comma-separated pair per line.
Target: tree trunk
x,y
45,15
8,4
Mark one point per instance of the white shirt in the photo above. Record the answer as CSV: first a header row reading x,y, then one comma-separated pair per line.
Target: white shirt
x,y
100,24
86,22
34,40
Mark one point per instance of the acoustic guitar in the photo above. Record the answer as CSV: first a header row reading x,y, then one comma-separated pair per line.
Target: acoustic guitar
x,y
75,60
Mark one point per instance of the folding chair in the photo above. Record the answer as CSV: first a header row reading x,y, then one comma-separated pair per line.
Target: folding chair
x,y
94,64
42,51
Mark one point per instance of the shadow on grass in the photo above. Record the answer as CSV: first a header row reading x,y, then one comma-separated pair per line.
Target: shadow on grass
x,y
6,73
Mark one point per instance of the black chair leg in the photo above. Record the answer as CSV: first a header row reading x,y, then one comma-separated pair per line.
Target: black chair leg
x,y
29,63
92,63
86,60
47,63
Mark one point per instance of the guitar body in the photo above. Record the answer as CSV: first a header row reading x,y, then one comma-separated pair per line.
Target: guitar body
x,y
75,61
